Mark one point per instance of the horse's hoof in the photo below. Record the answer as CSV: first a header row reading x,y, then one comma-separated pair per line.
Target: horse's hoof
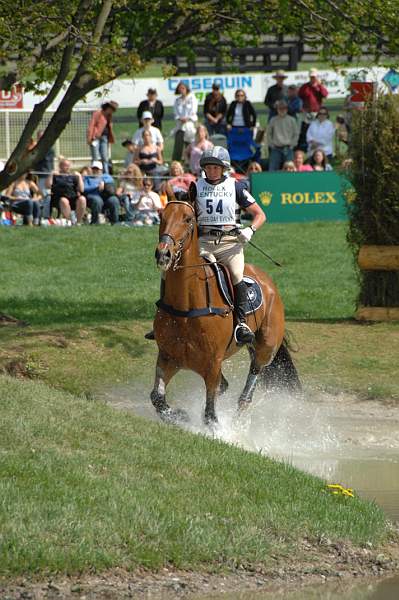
x,y
212,426
243,405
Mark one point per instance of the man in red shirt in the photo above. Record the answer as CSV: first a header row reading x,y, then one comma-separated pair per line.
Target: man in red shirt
x,y
312,93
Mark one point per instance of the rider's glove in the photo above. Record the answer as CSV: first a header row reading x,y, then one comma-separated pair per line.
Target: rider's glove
x,y
245,235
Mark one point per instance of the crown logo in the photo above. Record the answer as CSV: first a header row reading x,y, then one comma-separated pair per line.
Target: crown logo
x,y
266,198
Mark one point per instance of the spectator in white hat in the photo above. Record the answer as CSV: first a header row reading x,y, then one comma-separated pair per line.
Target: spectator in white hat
x,y
99,189
156,135
154,106
278,91
312,93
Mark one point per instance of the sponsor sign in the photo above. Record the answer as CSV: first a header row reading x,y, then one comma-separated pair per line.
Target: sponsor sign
x,y
12,98
130,92
299,197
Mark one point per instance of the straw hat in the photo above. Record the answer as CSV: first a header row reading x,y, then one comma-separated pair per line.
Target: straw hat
x,y
280,74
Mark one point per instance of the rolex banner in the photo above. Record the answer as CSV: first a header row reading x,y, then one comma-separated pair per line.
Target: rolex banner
x,y
295,197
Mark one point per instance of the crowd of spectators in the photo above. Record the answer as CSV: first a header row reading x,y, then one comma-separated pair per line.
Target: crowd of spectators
x,y
300,137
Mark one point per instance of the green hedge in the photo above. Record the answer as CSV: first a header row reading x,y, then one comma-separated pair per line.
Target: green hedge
x,y
374,210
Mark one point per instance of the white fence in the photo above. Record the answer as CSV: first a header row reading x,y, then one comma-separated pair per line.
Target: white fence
x,y
71,143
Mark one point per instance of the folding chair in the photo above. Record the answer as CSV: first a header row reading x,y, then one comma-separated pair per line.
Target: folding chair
x,y
242,148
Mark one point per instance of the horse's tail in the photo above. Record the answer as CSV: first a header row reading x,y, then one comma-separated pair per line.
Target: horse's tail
x,y
281,373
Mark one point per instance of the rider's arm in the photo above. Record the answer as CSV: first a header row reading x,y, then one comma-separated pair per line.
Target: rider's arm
x,y
258,215
248,203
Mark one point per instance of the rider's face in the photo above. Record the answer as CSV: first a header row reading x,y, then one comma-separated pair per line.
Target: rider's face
x,y
213,172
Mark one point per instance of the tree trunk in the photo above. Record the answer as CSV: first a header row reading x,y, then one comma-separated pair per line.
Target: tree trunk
x,y
21,160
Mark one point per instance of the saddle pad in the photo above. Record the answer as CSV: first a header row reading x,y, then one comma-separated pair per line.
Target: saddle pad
x,y
254,295
254,291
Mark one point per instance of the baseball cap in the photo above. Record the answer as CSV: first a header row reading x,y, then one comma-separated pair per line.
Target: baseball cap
x,y
313,73
97,164
147,115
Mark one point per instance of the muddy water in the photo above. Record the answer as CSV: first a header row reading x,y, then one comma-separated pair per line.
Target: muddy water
x,y
387,589
342,439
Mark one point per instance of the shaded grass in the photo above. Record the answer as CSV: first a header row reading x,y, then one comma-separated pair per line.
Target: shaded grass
x,y
83,486
344,356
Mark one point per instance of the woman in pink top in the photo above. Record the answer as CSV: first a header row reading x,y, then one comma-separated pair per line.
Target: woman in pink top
x,y
195,149
180,180
100,134
299,159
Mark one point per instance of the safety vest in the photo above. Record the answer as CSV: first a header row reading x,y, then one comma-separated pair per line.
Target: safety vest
x,y
216,204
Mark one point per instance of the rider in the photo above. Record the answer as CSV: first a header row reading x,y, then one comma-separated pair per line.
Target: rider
x,y
218,199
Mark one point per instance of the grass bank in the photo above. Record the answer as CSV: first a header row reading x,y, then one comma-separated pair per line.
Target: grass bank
x,y
84,486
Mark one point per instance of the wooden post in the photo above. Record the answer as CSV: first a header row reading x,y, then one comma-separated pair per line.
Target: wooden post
x,y
378,258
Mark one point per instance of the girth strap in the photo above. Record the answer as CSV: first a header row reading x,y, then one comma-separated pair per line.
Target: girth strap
x,y
194,312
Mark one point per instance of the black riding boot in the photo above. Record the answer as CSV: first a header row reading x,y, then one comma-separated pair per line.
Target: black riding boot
x,y
150,335
242,333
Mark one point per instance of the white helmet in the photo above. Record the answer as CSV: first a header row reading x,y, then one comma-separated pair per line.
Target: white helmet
x,y
217,156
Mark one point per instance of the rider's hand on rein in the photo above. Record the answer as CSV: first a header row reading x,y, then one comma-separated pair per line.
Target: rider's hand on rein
x,y
245,235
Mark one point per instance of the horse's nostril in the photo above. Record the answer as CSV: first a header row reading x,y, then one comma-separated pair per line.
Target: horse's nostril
x,y
163,256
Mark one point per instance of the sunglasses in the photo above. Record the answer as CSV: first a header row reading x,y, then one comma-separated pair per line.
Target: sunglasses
x,y
147,184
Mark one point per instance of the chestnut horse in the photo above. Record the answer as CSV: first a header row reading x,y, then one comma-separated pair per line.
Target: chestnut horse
x,y
193,326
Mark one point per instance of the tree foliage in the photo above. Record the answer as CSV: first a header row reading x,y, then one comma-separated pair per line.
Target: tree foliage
x,y
81,44
374,210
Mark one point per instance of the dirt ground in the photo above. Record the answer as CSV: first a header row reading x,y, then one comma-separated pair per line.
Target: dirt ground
x,y
322,561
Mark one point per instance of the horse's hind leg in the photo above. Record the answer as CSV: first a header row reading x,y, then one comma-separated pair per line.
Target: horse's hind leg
x,y
247,394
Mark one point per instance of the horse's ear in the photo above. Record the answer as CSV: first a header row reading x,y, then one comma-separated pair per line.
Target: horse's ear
x,y
169,192
192,193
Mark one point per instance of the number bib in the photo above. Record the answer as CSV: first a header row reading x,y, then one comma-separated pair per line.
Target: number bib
x,y
216,204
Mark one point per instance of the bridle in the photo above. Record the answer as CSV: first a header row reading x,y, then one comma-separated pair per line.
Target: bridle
x,y
179,244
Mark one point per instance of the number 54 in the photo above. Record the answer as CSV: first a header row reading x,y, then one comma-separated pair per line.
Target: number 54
x,y
209,206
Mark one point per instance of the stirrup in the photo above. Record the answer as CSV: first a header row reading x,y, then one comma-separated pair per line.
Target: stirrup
x,y
150,335
243,334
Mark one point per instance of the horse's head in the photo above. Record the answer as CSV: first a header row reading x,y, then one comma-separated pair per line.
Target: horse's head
x,y
175,233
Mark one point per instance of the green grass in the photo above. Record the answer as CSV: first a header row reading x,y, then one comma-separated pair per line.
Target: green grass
x,y
89,295
99,275
83,486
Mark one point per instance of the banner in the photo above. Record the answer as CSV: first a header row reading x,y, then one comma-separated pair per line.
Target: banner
x,y
300,197
130,92
12,99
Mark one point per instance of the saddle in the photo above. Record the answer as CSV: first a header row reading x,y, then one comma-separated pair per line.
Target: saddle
x,y
254,291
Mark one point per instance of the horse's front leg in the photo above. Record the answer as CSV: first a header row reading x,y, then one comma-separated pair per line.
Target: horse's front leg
x,y
164,372
212,378
247,394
